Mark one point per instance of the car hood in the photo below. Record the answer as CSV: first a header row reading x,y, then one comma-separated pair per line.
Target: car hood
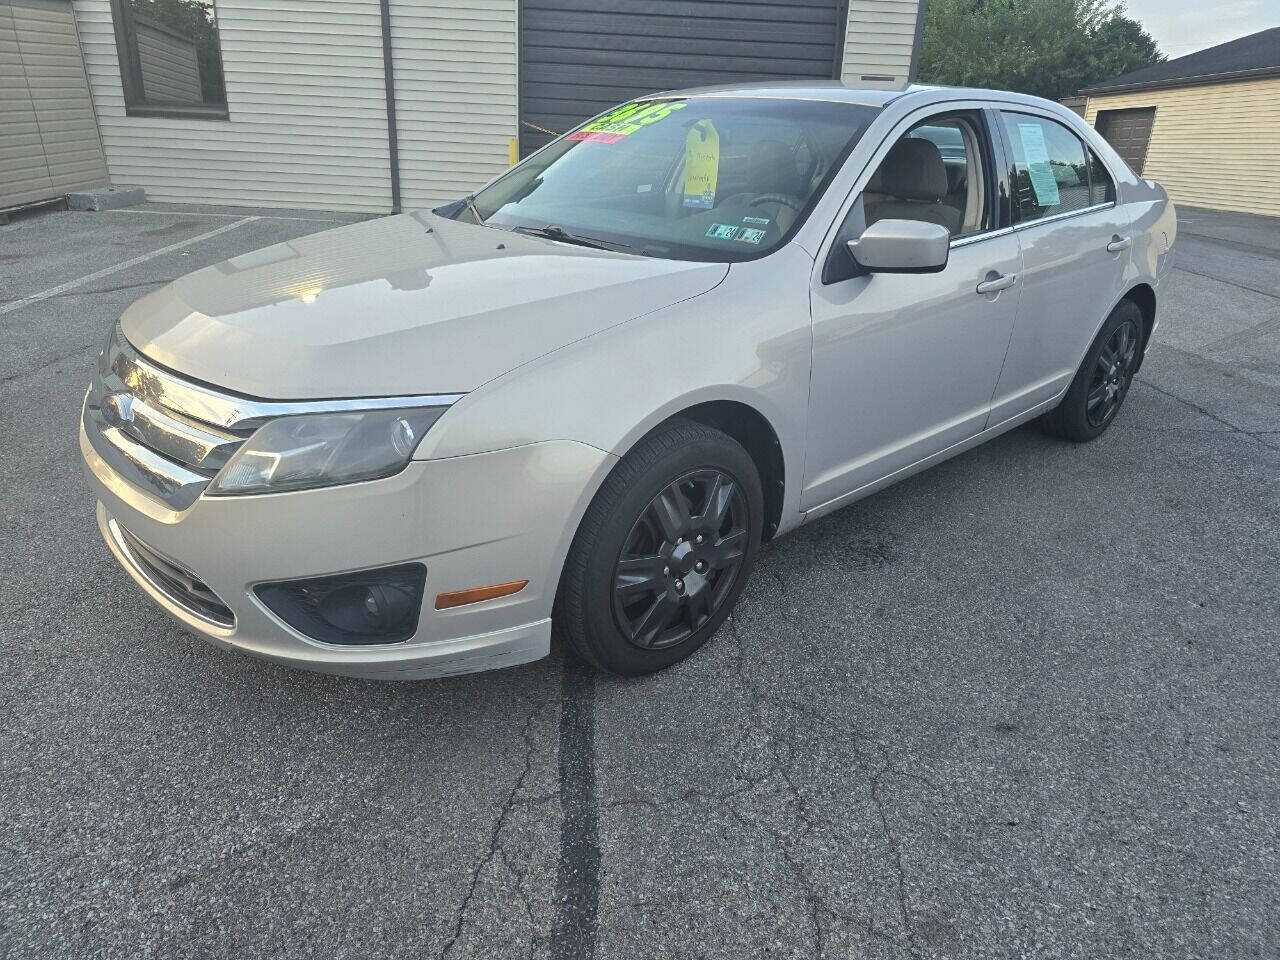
x,y
401,305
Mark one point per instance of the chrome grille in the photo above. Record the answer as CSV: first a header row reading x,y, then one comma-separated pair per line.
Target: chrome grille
x,y
169,435
164,434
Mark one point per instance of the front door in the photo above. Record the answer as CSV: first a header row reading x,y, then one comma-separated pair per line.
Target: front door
x,y
904,365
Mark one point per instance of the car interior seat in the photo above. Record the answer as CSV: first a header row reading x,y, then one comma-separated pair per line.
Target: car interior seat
x,y
914,183
771,170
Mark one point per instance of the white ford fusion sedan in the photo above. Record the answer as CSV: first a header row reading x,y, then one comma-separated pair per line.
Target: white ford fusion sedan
x,y
579,400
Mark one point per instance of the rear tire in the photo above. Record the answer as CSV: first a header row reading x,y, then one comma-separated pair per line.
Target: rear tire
x,y
663,552
1092,402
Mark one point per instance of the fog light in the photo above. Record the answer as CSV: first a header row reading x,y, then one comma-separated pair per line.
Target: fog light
x,y
372,606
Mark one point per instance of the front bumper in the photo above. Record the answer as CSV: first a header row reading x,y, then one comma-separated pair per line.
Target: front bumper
x,y
474,520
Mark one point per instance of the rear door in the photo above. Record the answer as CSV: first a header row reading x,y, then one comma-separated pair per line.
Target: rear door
x,y
1076,254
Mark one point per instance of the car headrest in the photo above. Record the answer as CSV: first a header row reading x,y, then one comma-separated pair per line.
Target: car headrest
x,y
773,169
914,170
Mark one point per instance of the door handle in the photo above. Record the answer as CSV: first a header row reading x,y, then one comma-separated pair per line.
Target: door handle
x,y
1119,243
998,282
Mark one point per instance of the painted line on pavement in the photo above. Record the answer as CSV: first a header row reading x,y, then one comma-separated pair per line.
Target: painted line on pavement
x,y
124,265
222,216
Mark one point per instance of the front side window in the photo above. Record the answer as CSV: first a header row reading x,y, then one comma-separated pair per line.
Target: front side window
x,y
933,173
717,179
1051,174
170,58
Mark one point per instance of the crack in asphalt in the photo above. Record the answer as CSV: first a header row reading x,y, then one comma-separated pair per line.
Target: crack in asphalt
x,y
1231,283
895,852
96,290
816,902
1255,436
820,912
45,365
1237,245
496,849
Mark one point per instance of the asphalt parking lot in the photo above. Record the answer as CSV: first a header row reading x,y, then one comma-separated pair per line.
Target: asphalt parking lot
x,y
1026,704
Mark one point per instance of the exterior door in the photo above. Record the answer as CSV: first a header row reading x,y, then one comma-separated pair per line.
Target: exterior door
x,y
904,365
1075,244
1129,131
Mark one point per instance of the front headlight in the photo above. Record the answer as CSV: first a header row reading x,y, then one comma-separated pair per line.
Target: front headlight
x,y
324,449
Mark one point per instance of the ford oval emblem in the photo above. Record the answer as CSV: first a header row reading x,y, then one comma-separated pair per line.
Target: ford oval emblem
x,y
117,409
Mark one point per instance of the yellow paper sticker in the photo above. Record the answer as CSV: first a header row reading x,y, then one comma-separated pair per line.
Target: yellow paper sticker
x,y
701,165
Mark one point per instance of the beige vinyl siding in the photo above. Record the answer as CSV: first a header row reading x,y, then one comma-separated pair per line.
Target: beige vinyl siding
x,y
1212,145
307,103
879,38
24,176
170,69
50,141
455,72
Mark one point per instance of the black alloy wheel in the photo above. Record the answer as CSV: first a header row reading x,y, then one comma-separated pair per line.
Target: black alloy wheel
x,y
1112,374
1100,385
680,560
663,552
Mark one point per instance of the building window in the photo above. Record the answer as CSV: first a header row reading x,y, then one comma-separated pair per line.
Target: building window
x,y
170,58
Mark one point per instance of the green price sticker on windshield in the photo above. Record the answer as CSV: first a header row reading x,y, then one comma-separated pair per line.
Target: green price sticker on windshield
x,y
626,120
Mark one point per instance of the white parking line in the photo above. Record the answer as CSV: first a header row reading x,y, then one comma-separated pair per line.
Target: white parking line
x,y
223,216
124,265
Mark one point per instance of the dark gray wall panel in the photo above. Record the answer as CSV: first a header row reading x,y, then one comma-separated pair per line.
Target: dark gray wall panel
x,y
580,57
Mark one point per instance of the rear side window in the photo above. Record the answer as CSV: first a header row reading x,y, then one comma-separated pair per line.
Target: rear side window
x,y
1050,167
1102,187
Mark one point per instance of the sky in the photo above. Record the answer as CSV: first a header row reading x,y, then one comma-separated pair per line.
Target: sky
x,y
1185,26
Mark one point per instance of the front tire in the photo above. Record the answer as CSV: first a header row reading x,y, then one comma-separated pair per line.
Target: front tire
x,y
663,552
1093,400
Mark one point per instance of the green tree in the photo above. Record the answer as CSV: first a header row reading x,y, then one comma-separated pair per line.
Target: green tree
x,y
1050,48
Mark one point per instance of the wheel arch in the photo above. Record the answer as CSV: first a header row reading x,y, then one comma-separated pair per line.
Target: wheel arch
x,y
772,436
752,429
1143,296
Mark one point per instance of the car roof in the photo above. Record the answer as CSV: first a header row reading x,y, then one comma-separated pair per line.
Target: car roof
x,y
839,92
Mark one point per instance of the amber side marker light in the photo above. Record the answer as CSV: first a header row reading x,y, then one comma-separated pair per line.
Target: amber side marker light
x,y
457,598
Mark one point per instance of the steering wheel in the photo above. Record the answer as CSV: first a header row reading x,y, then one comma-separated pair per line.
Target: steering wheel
x,y
781,198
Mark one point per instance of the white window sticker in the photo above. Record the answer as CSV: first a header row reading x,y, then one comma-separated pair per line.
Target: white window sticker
x,y
1039,169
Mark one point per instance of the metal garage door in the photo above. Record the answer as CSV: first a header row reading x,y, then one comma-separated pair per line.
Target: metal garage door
x,y
1128,131
580,57
48,136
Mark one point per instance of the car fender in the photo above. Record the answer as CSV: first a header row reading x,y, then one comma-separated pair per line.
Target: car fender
x,y
1154,226
746,341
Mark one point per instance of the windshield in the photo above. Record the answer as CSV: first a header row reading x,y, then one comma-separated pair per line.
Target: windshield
x,y
710,178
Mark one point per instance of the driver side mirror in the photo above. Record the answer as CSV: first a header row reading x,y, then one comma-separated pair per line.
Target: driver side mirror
x,y
902,246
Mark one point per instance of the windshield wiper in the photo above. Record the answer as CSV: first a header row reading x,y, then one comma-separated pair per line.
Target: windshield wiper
x,y
470,201
552,232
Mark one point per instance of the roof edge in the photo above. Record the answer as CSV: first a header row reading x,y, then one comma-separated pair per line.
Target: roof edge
x,y
1257,73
